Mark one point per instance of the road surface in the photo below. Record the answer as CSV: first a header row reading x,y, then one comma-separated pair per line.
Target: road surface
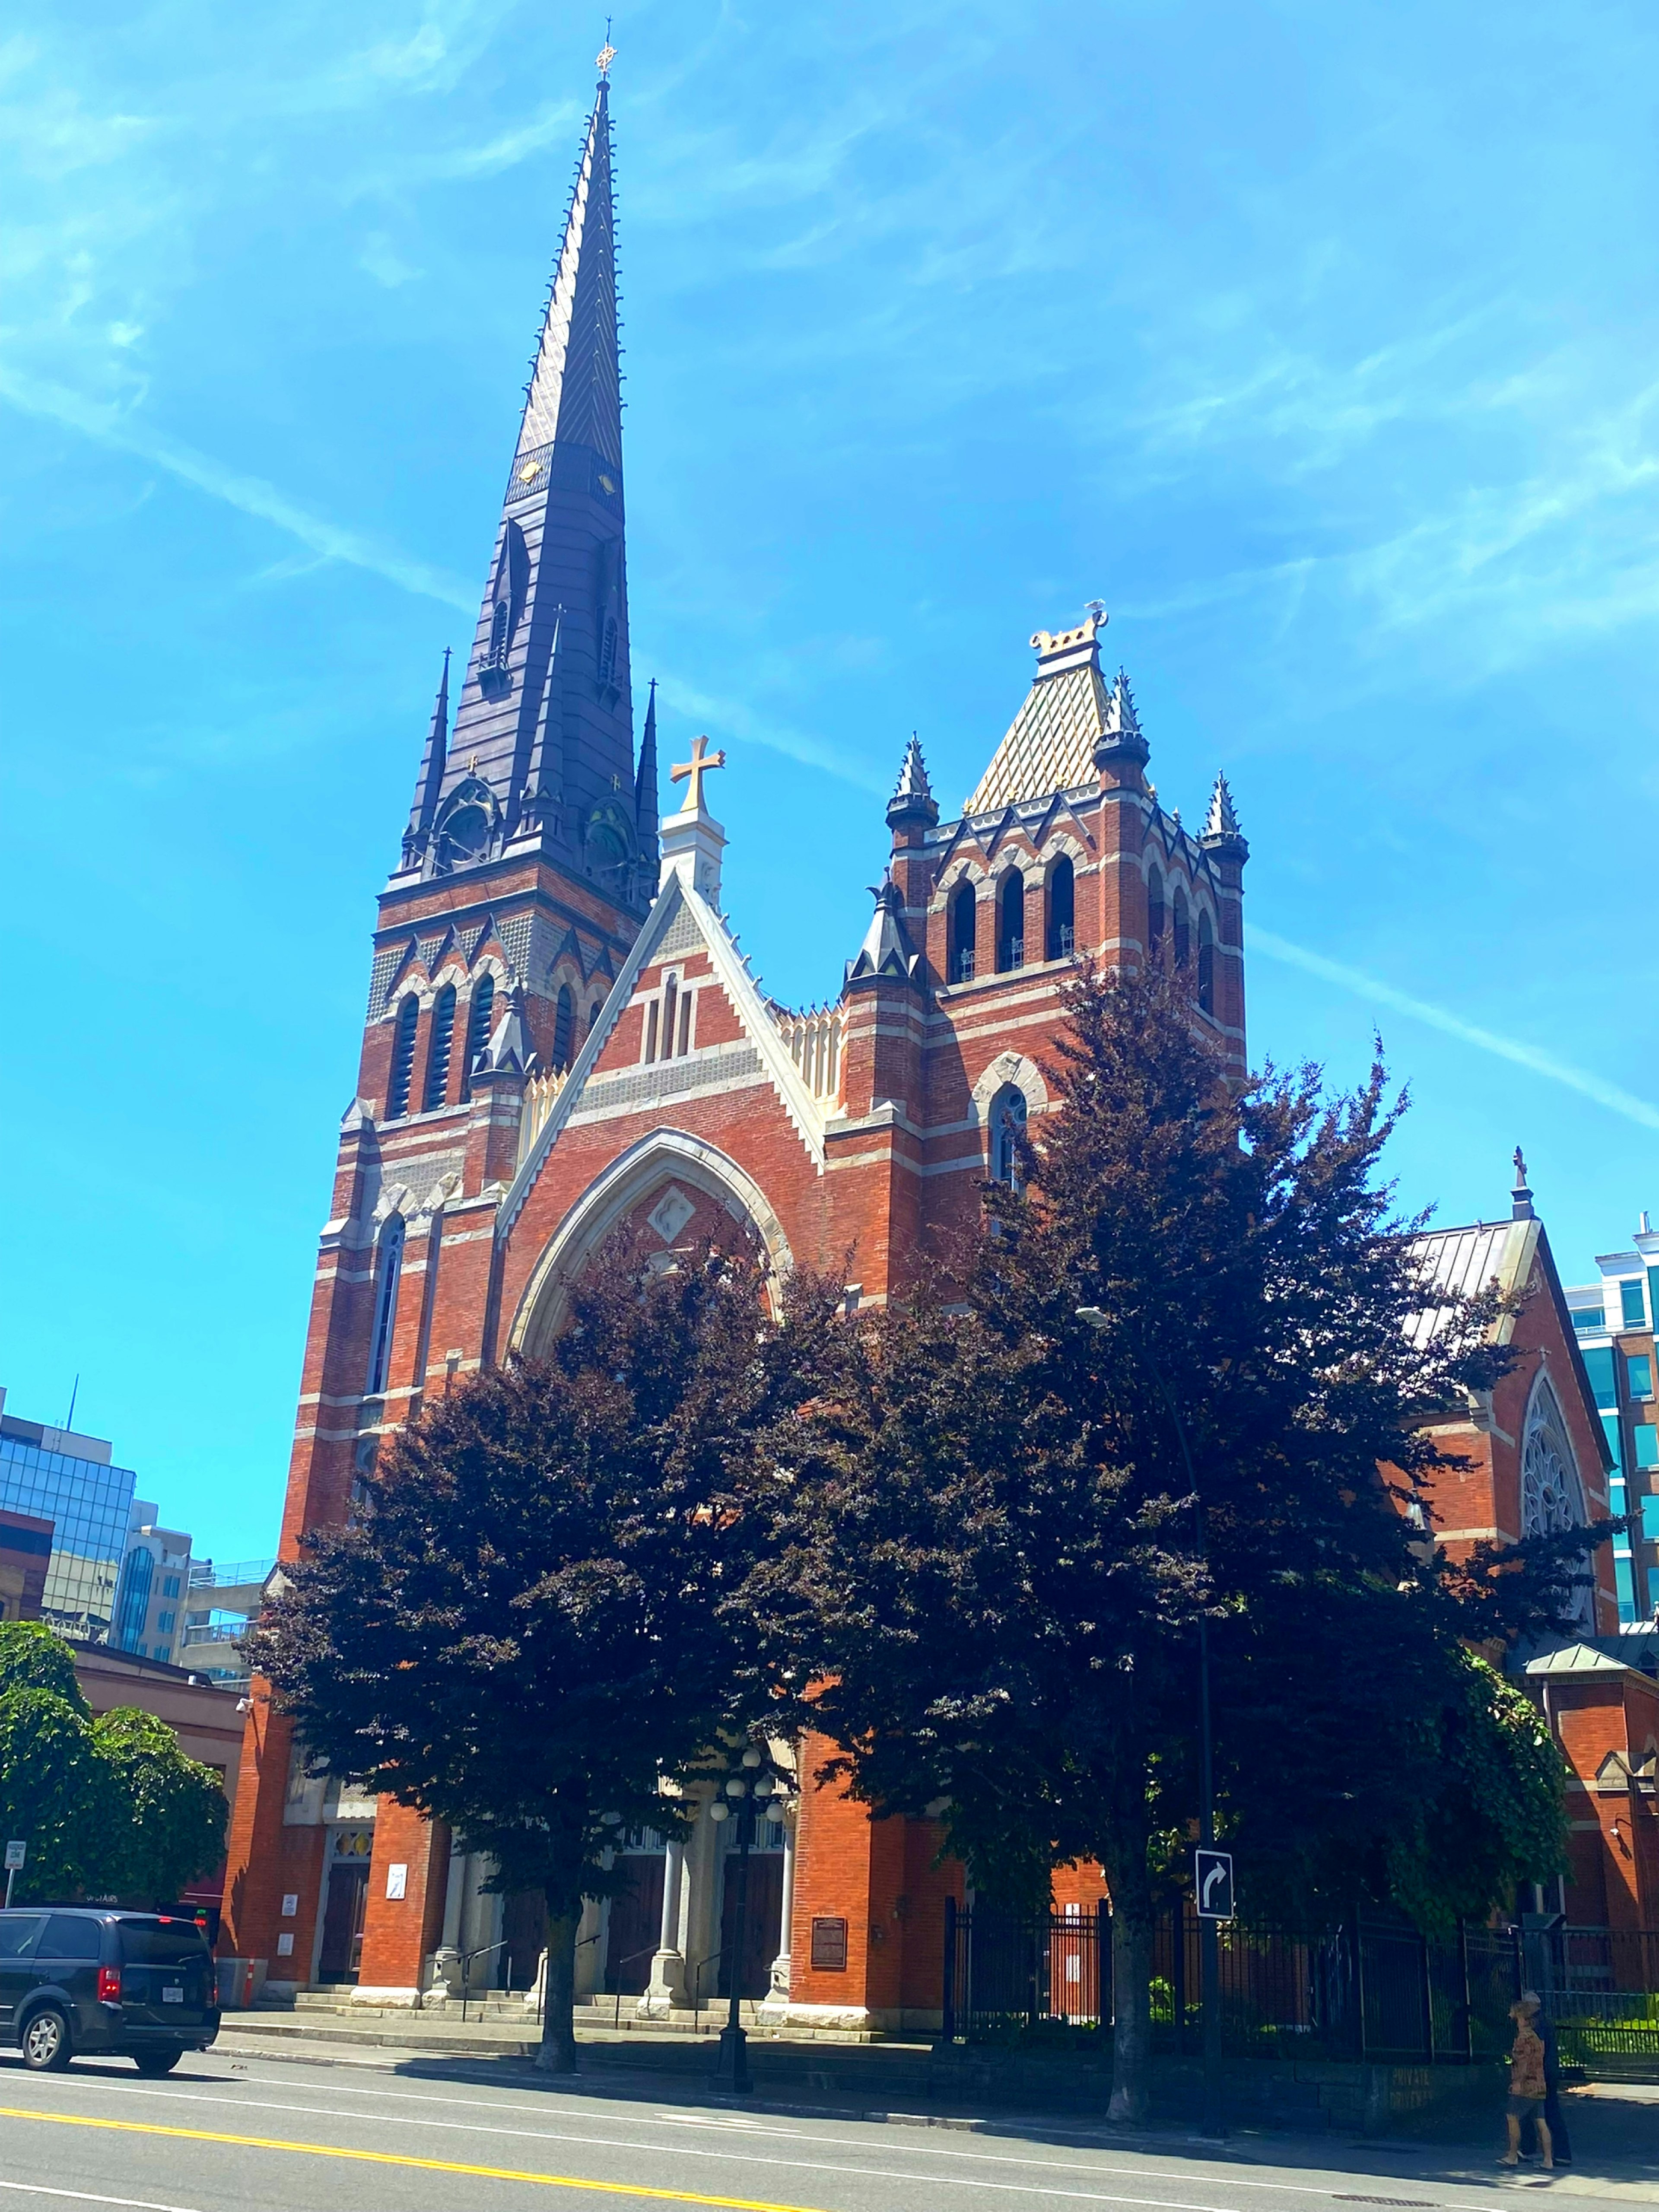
x,y
232,2134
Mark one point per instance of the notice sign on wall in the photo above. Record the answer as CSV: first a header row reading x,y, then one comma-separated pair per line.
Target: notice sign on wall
x,y
397,1880
829,1946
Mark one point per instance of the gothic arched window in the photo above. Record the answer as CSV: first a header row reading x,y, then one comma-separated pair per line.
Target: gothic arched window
x,y
1061,935
1154,910
403,1058
962,918
389,1266
564,1029
1007,1123
1010,921
1182,931
1552,1496
438,1047
594,1017
478,1028
1205,963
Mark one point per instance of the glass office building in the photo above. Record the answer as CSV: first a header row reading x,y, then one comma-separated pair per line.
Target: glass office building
x,y
67,1479
1614,1322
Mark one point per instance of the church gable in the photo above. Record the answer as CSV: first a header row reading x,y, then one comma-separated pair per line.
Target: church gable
x,y
683,1022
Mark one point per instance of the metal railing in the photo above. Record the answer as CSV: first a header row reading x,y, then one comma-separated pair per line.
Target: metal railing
x,y
204,1575
1373,1988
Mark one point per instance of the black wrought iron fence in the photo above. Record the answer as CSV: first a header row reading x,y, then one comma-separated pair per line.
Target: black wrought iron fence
x,y
1373,1988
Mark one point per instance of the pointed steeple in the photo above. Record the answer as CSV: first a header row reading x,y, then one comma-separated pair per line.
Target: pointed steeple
x,y
542,760
645,787
1123,700
913,800
428,781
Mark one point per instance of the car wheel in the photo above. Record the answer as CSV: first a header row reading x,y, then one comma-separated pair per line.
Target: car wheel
x,y
157,2062
46,2046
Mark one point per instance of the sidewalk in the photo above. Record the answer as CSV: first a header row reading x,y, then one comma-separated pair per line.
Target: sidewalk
x,y
1615,2128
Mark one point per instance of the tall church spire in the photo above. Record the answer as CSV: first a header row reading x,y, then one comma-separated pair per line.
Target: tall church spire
x,y
542,759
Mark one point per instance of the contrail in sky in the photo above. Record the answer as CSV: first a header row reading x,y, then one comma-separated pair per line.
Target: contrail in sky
x,y
109,427
1504,1047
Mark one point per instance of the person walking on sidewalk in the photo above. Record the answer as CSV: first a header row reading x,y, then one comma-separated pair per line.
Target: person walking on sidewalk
x,y
1527,2084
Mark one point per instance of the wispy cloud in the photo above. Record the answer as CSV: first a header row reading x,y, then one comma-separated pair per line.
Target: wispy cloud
x,y
732,715
249,495
1528,1056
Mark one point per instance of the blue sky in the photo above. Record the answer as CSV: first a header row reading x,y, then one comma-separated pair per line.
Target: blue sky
x,y
1319,343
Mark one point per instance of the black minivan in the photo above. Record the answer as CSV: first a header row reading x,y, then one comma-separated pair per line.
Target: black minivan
x,y
79,1981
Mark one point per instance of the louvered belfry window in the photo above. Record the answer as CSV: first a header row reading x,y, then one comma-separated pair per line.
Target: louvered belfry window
x,y
478,1028
443,1038
403,1058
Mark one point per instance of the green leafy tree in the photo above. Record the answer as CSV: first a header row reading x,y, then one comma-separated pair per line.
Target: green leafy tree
x,y
531,1627
110,1807
167,1812
55,1789
993,1557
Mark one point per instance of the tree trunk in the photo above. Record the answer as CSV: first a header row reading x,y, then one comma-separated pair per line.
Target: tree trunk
x,y
1132,1959
558,2052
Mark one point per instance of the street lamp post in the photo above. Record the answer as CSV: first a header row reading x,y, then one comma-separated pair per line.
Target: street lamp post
x,y
753,1780
1209,1940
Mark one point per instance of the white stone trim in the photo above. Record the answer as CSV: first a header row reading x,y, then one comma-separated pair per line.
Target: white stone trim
x,y
628,1179
1009,1068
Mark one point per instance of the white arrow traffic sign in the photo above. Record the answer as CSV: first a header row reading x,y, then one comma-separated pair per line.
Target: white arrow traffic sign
x,y
1213,1883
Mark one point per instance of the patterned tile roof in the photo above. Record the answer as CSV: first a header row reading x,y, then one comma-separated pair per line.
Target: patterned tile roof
x,y
1051,741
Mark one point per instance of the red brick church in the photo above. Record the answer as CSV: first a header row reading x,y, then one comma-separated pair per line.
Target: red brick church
x,y
562,1037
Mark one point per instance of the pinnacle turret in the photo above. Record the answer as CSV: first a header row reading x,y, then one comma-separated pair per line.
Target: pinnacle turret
x,y
541,759
913,799
1123,699
645,787
885,950
1221,834
429,781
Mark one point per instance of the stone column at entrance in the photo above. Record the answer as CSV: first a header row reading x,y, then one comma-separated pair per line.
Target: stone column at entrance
x,y
665,1991
774,2007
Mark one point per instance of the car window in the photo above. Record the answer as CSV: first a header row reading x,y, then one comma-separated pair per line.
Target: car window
x,y
69,1936
162,1943
17,1933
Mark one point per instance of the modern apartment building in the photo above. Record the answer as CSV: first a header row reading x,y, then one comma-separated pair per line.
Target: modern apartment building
x,y
1613,1320
151,1597
57,1475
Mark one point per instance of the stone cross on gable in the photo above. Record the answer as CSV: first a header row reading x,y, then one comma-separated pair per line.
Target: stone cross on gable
x,y
692,772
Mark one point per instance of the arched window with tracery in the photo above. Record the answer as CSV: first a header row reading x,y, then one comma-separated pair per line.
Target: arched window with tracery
x,y
564,1029
1552,1496
478,1028
1205,963
1154,909
963,916
1007,1127
1011,922
438,1051
1060,933
1182,930
403,1058
389,1260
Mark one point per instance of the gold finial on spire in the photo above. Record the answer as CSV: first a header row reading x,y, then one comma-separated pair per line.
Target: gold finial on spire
x,y
692,772
607,52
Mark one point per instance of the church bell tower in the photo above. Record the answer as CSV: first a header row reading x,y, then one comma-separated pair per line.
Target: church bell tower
x,y
521,880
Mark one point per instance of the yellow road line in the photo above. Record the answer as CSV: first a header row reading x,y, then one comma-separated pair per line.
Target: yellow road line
x,y
396,2158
